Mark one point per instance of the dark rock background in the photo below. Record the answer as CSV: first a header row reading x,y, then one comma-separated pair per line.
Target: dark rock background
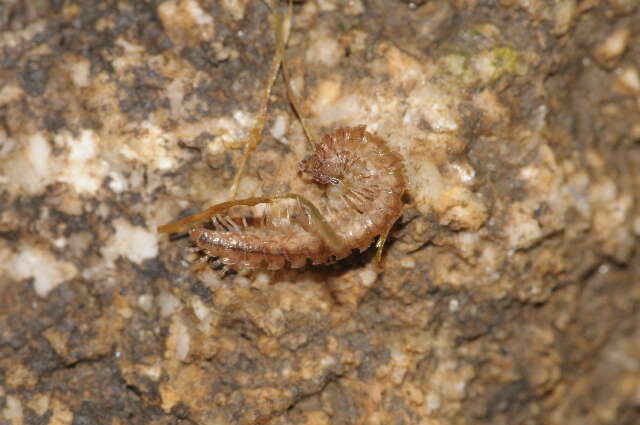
x,y
509,291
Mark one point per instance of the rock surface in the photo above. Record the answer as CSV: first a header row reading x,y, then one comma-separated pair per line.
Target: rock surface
x,y
509,291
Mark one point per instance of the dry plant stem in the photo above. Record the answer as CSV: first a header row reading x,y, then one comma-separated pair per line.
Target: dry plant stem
x,y
282,33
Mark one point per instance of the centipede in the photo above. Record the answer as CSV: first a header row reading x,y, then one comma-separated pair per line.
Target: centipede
x,y
362,181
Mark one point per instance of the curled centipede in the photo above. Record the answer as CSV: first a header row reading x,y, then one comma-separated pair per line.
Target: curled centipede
x,y
363,181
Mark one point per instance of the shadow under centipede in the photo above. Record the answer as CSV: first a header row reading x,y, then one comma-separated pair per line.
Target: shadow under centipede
x,y
178,236
323,274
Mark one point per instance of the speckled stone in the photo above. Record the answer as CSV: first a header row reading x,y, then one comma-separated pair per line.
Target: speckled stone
x,y
508,292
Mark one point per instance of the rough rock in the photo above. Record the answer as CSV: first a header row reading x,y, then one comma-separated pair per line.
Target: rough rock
x,y
508,292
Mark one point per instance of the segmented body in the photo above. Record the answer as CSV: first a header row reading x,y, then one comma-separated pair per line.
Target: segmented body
x,y
363,183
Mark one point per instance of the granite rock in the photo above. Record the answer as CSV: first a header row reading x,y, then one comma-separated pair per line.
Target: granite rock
x,y
508,292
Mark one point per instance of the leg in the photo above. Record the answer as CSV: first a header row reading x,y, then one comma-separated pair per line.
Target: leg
x,y
380,244
282,34
309,131
201,264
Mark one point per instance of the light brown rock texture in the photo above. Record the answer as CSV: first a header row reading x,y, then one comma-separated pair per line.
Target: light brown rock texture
x,y
509,291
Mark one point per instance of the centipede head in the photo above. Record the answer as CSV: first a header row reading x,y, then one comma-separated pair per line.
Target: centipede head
x,y
324,165
318,170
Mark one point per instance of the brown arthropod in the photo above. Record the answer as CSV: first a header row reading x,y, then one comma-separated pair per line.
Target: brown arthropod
x,y
363,181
